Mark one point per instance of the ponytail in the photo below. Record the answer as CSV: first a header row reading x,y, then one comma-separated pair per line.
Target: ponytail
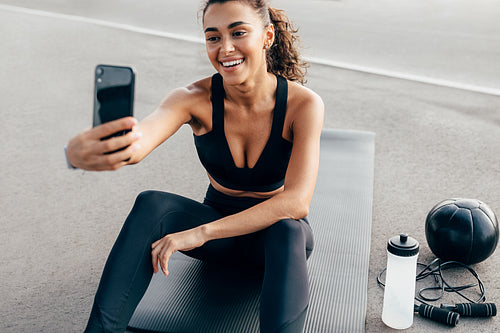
x,y
283,56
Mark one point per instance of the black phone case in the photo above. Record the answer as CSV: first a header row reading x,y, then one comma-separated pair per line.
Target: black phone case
x,y
113,94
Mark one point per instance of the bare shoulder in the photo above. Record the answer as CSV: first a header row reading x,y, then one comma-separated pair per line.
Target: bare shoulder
x,y
304,106
189,105
190,95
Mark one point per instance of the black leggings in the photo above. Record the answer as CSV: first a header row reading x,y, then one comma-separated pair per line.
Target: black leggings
x,y
281,250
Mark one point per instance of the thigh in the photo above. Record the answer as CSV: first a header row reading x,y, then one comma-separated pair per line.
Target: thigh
x,y
160,213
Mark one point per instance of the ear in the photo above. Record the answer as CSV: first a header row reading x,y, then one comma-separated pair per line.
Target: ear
x,y
269,36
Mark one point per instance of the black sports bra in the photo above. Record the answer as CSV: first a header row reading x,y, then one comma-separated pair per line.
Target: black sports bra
x,y
268,174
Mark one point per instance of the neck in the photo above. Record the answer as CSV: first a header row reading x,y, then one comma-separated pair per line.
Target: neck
x,y
252,91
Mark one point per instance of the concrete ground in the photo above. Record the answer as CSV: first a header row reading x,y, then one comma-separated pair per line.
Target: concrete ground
x,y
57,226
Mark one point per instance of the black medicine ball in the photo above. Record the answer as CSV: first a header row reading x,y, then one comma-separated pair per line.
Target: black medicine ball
x,y
464,230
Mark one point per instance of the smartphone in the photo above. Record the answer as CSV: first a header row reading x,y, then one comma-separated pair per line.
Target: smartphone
x,y
113,95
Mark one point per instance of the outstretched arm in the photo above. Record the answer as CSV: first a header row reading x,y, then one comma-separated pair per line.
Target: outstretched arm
x,y
87,151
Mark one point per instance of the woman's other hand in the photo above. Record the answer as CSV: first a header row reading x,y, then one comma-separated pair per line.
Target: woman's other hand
x,y
86,150
181,241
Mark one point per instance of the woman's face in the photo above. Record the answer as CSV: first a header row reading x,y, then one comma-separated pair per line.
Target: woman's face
x,y
235,38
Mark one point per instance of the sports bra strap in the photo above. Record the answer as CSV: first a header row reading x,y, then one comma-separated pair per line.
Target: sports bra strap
x,y
280,107
218,95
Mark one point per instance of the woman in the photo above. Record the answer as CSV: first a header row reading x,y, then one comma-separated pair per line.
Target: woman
x,y
257,135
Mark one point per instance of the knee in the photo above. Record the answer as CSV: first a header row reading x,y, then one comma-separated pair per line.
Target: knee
x,y
287,232
148,208
164,212
157,202
147,199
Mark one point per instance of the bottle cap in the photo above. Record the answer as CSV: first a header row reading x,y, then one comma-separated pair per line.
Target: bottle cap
x,y
403,246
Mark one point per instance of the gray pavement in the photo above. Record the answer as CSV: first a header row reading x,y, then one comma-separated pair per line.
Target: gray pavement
x,y
57,226
456,41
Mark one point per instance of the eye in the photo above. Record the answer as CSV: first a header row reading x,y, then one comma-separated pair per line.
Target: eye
x,y
239,33
212,39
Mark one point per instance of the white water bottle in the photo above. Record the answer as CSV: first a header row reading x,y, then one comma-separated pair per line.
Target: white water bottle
x,y
399,293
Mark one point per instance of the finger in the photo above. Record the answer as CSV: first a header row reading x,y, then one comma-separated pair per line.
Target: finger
x,y
154,260
155,244
112,127
115,160
118,142
164,258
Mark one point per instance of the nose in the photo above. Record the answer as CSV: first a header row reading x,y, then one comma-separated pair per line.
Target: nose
x,y
227,46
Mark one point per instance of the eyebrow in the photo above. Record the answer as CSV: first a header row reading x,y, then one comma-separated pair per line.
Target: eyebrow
x,y
232,25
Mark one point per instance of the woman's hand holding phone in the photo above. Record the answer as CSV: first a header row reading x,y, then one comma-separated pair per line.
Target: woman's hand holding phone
x,y
88,152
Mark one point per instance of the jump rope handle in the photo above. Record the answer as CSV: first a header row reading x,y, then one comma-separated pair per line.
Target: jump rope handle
x,y
439,315
472,309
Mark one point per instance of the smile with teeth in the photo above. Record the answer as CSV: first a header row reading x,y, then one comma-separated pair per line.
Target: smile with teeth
x,y
232,63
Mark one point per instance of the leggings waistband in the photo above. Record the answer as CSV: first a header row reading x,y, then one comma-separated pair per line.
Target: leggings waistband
x,y
228,205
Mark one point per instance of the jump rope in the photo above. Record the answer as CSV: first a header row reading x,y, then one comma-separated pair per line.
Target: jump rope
x,y
448,314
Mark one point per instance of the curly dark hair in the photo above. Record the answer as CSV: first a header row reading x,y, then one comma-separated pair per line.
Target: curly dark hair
x,y
283,57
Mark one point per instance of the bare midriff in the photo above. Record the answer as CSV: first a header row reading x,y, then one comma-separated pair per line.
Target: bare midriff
x,y
238,193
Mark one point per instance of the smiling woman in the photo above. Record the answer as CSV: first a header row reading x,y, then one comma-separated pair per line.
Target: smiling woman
x,y
257,134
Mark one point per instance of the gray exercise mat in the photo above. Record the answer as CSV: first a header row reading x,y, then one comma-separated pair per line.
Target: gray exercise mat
x,y
200,297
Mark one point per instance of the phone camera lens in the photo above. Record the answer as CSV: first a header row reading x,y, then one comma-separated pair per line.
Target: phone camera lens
x,y
99,71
